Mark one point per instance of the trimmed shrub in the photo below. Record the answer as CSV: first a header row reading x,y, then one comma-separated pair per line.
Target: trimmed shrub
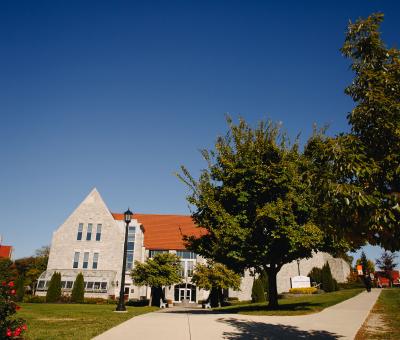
x,y
327,280
137,303
315,275
78,289
20,289
307,290
34,299
54,291
257,292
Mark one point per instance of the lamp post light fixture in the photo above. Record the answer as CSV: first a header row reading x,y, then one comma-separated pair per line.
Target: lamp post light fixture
x,y
121,303
298,266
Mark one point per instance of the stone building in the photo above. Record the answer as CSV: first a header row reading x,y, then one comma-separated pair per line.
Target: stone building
x,y
91,241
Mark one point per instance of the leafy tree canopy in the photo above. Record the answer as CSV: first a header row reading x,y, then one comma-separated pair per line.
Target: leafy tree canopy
x,y
161,270
255,202
357,175
217,275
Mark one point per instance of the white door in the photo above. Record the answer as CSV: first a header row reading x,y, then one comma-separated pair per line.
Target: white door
x,y
185,293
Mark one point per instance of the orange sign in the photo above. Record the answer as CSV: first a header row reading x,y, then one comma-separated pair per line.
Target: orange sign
x,y
359,269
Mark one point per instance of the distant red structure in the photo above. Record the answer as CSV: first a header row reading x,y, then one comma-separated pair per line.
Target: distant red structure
x,y
382,279
6,251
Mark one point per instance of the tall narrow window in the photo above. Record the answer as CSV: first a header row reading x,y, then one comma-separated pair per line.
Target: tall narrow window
x,y
89,232
80,230
76,259
85,260
130,247
98,232
95,260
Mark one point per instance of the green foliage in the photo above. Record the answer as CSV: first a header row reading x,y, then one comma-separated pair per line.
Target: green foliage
x,y
78,289
31,267
254,200
54,290
257,291
357,175
367,265
264,280
8,272
216,275
10,326
316,275
328,284
20,288
161,270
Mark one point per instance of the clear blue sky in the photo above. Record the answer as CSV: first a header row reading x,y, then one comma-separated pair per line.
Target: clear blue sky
x,y
117,95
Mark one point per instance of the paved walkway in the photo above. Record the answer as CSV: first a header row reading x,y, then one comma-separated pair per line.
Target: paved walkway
x,y
340,321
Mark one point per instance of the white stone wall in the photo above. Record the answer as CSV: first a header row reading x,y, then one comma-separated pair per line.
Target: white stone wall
x,y
339,268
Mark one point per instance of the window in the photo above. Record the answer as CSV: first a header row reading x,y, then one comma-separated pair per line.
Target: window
x,y
69,284
189,268
76,259
85,260
98,232
63,283
80,230
130,248
96,285
95,260
154,252
90,285
40,285
186,254
89,232
104,285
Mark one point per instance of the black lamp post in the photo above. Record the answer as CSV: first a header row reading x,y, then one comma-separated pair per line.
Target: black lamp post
x,y
298,266
121,302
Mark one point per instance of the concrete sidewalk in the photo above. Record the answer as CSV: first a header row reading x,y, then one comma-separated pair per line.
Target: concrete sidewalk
x,y
340,321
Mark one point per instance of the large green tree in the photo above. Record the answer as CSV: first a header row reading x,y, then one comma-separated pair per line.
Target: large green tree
x,y
215,277
157,272
357,174
254,200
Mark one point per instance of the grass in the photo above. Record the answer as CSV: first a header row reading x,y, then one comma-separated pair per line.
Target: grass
x,y
72,321
305,304
384,319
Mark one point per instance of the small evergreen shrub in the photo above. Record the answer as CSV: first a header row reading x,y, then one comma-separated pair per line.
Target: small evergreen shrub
x,y
78,289
20,289
257,292
137,303
327,280
306,290
54,291
10,327
315,275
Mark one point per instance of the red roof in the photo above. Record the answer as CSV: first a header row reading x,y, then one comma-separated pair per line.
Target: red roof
x,y
165,231
5,251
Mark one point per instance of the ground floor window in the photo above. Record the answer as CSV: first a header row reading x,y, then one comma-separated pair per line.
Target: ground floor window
x,y
185,292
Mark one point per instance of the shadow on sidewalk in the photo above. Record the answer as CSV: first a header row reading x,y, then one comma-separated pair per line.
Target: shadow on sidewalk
x,y
252,330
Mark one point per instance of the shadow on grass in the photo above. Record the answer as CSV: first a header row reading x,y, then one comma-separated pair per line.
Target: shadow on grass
x,y
287,307
251,330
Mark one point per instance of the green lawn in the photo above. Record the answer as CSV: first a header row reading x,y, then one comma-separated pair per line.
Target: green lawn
x,y
384,320
305,304
70,321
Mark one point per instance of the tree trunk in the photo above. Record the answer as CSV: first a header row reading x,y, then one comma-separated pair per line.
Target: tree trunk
x,y
272,288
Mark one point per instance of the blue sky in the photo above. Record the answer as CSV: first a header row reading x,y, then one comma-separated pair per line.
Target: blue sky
x,y
117,95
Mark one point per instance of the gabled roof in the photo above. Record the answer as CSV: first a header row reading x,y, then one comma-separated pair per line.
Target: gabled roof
x,y
165,231
6,251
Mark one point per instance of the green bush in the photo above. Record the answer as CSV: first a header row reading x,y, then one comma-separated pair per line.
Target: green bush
x,y
78,289
54,291
20,287
137,303
328,284
34,299
315,275
257,292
